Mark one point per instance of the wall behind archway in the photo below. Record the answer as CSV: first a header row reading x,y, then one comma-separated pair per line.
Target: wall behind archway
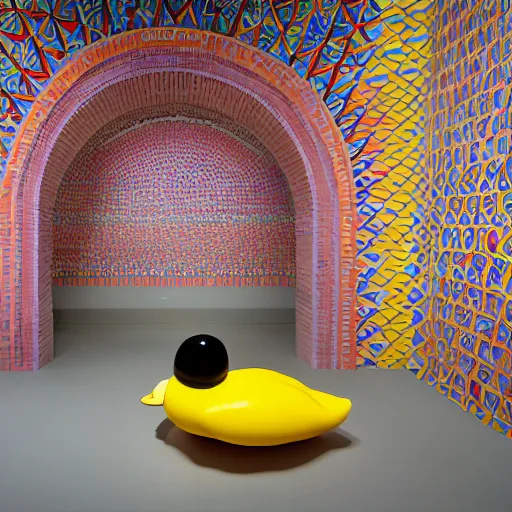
x,y
174,202
367,60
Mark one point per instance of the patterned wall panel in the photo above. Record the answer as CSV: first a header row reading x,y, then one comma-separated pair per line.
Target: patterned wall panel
x,y
466,345
385,120
367,59
175,203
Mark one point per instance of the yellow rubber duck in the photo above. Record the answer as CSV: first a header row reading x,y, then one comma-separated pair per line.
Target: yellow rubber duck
x,y
249,407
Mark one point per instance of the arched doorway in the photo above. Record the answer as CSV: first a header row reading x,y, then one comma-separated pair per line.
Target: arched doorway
x,y
161,67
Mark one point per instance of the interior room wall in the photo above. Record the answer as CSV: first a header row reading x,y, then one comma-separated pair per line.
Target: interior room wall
x,y
174,202
366,59
466,345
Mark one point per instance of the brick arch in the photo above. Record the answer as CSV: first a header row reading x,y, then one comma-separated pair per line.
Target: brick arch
x,y
164,69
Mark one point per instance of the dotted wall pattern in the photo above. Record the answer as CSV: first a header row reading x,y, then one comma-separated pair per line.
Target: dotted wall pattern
x,y
367,59
465,348
174,203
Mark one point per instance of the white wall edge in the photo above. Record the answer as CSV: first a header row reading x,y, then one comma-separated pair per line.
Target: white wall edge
x,y
126,298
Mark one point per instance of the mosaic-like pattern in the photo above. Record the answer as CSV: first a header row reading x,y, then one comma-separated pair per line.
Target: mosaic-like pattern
x,y
386,121
366,58
466,345
174,203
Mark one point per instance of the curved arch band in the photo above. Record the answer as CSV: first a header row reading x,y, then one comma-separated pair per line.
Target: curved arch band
x,y
162,67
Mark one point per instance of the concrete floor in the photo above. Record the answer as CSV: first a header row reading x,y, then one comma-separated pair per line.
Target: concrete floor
x,y
74,437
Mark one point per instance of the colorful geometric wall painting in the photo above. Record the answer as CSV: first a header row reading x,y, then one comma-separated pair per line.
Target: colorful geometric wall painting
x,y
366,58
465,347
433,224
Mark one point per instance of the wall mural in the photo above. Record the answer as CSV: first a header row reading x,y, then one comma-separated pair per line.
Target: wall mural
x,y
434,287
466,345
367,59
203,208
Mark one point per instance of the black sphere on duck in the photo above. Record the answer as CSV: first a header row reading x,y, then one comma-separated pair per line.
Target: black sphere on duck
x,y
201,362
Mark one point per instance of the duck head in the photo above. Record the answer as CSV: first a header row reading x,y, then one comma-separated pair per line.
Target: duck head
x,y
201,362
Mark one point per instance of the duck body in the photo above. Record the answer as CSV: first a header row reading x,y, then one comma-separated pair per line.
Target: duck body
x,y
249,407
254,407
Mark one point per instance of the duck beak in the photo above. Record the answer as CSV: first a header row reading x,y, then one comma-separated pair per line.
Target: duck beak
x,y
156,397
151,399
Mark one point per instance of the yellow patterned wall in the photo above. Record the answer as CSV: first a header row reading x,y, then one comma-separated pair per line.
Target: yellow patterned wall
x,y
394,85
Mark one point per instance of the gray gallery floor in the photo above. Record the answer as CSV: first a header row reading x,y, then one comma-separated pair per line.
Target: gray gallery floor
x,y
74,437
